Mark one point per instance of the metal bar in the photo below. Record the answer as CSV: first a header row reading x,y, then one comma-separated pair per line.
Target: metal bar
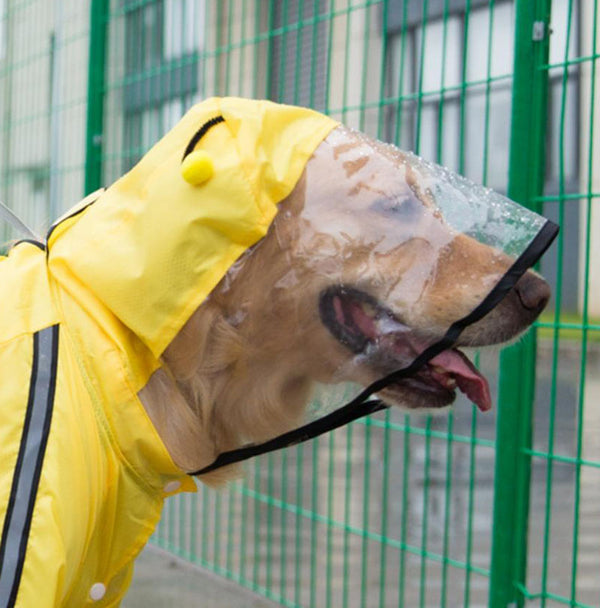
x,y
365,557
314,507
385,487
329,540
517,364
555,339
95,95
564,459
298,525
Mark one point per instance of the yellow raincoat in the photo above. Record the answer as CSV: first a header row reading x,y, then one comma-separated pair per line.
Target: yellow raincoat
x,y
84,321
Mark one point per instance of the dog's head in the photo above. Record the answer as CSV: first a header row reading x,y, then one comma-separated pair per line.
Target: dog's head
x,y
361,270
259,249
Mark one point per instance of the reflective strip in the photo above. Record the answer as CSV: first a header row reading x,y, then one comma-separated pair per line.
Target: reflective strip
x,y
36,427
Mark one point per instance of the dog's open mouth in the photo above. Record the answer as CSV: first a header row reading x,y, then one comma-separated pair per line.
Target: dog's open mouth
x,y
371,331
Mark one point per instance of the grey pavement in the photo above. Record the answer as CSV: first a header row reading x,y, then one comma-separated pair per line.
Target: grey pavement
x,y
163,581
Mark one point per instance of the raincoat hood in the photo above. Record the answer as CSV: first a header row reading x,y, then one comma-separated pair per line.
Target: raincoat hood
x,y
85,318
172,240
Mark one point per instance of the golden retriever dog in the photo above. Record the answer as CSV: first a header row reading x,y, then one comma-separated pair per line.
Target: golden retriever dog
x,y
160,326
318,300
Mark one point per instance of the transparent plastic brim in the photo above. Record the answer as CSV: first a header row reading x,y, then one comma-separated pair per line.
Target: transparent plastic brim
x,y
476,211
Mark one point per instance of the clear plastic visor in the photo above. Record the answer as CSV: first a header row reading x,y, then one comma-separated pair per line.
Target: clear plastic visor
x,y
374,256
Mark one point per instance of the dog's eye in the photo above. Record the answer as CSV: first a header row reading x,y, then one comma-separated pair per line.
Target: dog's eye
x,y
406,208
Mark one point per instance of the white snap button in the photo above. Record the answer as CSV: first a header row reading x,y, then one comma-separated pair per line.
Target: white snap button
x,y
172,486
97,591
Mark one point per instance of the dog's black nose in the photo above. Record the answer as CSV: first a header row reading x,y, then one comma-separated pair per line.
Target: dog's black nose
x,y
533,292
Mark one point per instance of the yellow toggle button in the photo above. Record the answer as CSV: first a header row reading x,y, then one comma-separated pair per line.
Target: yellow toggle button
x,y
197,167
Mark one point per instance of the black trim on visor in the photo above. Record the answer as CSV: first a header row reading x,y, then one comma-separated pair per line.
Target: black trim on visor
x,y
359,406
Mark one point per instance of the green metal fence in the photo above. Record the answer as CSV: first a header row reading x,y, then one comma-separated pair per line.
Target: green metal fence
x,y
464,510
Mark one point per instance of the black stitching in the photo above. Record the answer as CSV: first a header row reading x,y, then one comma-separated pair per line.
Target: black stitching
x,y
200,133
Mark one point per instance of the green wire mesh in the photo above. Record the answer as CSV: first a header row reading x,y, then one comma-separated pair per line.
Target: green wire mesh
x,y
43,97
391,511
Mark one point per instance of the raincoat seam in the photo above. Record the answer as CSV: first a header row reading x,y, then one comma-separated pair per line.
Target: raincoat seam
x,y
105,422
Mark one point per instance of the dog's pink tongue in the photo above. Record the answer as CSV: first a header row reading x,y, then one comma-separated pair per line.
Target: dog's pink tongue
x,y
468,379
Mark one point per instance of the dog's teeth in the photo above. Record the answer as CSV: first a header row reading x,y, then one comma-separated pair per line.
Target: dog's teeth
x,y
451,383
438,369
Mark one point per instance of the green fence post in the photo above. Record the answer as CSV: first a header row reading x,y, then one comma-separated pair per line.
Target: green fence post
x,y
99,10
517,364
